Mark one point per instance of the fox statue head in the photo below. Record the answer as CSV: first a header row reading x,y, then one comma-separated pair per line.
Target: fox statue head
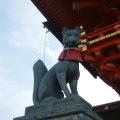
x,y
71,37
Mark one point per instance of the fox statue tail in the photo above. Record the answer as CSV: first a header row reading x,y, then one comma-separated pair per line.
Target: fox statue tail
x,y
39,70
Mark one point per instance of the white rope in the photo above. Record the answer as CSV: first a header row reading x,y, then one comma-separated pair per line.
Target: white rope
x,y
45,44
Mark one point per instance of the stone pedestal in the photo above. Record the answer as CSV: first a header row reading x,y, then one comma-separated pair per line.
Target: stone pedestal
x,y
72,108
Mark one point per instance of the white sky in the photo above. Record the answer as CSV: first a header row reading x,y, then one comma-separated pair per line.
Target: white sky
x,y
22,40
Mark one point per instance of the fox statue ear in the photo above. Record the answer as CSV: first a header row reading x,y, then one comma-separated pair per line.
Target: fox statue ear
x,y
65,29
78,29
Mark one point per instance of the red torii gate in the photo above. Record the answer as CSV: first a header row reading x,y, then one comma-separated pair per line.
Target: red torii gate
x,y
103,54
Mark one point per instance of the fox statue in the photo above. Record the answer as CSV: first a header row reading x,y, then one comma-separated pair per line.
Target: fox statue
x,y
53,82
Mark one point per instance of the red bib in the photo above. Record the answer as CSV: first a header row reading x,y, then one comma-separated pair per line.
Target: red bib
x,y
70,54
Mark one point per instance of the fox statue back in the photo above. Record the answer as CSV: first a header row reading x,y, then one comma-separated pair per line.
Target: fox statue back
x,y
53,82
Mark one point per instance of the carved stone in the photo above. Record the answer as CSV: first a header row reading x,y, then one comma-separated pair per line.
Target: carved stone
x,y
53,82
70,108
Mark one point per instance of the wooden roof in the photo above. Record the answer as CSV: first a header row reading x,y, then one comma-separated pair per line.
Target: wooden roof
x,y
109,111
91,14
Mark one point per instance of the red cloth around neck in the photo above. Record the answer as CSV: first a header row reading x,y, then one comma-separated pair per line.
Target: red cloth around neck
x,y
70,54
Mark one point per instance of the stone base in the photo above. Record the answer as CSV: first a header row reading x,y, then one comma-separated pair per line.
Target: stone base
x,y
72,108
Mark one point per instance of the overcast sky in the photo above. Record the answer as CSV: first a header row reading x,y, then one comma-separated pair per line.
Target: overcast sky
x,y
22,42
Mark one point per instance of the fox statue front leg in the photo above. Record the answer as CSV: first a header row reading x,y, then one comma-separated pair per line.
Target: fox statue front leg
x,y
73,86
62,81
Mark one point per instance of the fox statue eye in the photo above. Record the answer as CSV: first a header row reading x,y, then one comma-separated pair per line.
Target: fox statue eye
x,y
76,35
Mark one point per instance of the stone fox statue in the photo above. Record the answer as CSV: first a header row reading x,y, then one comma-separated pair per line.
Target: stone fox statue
x,y
53,83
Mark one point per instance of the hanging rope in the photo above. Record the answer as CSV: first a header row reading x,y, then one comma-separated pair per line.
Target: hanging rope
x,y
45,44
